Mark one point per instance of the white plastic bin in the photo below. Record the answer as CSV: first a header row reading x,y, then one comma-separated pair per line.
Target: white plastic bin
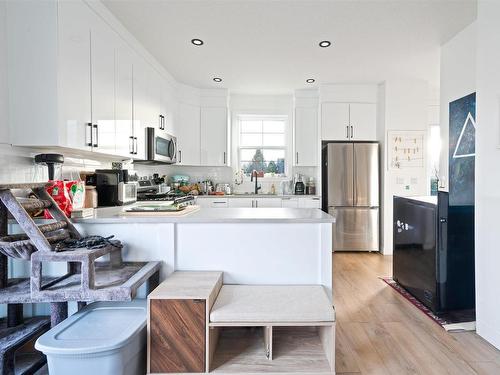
x,y
103,338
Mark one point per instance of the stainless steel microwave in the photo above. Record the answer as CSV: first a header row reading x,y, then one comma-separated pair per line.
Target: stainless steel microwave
x,y
160,146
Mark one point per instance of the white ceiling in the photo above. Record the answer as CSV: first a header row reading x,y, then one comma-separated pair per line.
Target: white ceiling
x,y
260,46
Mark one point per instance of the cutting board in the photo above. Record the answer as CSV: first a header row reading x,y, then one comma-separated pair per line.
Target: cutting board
x,y
188,210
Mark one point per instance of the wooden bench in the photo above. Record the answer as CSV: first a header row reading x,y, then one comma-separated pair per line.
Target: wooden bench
x,y
274,307
196,324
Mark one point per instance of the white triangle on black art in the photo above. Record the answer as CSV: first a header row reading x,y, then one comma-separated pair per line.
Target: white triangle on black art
x,y
469,120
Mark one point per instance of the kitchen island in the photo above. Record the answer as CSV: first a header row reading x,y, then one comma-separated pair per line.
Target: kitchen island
x,y
250,245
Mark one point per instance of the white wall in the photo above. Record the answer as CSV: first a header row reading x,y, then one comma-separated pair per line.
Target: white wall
x,y
4,129
402,105
458,79
488,172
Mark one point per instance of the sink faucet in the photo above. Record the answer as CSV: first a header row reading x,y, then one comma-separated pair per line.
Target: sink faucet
x,y
257,187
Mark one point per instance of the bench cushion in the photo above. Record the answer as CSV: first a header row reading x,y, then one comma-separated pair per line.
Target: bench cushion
x,y
272,304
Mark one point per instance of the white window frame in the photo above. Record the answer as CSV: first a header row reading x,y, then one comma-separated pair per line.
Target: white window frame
x,y
287,147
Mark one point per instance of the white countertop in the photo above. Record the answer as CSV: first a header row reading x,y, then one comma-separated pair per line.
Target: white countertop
x,y
107,215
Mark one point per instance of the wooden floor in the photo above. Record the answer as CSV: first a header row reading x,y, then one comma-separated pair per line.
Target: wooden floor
x,y
379,332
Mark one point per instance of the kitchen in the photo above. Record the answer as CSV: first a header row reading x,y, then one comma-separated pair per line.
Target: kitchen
x,y
252,196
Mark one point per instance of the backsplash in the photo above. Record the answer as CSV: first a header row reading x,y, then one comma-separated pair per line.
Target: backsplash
x,y
220,175
17,165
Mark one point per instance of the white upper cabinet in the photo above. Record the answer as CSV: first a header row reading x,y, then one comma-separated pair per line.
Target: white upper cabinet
x,y
335,121
348,121
306,136
213,136
102,47
154,100
188,135
363,121
167,108
74,74
125,142
86,87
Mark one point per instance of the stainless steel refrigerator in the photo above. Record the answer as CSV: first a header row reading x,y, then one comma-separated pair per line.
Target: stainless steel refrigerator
x,y
351,194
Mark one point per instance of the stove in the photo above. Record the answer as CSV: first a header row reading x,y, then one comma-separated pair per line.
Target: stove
x,y
170,197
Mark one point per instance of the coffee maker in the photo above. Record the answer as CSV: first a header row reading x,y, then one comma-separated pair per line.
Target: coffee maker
x,y
300,187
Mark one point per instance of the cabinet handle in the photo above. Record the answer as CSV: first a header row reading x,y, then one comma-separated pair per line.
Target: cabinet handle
x,y
89,125
96,144
297,157
256,204
253,203
180,156
159,122
135,144
347,131
163,122
131,145
224,157
352,132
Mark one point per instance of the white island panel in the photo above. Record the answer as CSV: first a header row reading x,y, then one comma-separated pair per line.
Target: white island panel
x,y
258,254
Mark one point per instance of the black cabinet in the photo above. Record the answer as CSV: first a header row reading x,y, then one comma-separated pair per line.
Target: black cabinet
x,y
434,251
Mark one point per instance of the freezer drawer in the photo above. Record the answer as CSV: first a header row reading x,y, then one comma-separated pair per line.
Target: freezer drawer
x,y
355,229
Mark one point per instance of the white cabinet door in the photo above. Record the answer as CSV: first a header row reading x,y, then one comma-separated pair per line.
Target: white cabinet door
x,y
310,202
74,73
267,202
167,107
363,121
123,101
306,136
289,202
213,141
103,42
141,105
154,99
218,202
188,135
241,202
335,121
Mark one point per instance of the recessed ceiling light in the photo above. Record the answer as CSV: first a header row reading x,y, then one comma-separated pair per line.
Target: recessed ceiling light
x,y
325,43
217,79
197,42
310,80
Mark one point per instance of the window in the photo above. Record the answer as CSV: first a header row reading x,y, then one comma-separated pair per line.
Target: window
x,y
262,145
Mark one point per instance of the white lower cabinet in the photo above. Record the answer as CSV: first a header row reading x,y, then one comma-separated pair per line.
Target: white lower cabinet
x,y
267,202
290,202
241,202
212,202
314,202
